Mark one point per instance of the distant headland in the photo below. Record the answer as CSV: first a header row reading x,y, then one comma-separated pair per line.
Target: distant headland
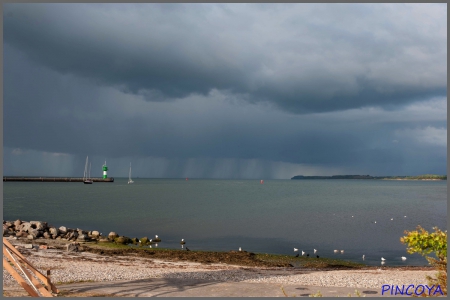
x,y
419,177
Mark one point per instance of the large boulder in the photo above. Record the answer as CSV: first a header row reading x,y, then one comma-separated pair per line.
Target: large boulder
x,y
95,234
33,232
8,224
63,230
122,240
144,240
37,225
25,226
17,223
53,231
112,235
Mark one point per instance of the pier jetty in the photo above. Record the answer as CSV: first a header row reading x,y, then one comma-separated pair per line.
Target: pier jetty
x,y
54,179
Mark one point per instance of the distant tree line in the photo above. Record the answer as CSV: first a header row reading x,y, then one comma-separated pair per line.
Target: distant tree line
x,y
419,177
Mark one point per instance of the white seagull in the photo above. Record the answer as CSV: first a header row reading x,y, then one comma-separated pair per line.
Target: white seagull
x,y
295,249
403,258
383,259
404,216
240,249
392,219
303,252
336,251
315,251
342,251
363,256
151,240
156,236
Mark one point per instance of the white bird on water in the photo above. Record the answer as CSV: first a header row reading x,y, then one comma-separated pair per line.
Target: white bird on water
x,y
403,258
240,249
392,219
156,236
363,256
342,251
383,259
315,251
303,252
295,249
336,251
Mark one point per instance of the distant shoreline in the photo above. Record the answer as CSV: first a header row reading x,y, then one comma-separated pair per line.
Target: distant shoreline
x,y
420,177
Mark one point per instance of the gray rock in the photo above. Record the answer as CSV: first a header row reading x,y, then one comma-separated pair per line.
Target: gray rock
x,y
8,224
17,223
25,226
37,225
112,235
63,230
33,232
53,231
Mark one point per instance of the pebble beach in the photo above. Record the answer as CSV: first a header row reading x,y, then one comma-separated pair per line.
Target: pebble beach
x,y
74,267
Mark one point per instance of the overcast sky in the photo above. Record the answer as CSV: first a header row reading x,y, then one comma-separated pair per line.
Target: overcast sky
x,y
225,90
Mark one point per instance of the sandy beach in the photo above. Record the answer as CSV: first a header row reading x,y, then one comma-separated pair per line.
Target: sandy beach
x,y
73,272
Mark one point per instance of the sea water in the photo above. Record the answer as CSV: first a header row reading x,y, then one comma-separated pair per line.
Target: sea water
x,y
222,215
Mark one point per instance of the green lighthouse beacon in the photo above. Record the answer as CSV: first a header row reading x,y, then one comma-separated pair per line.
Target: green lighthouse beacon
x,y
105,171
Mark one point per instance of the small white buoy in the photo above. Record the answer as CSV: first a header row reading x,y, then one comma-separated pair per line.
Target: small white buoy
x,y
295,249
403,258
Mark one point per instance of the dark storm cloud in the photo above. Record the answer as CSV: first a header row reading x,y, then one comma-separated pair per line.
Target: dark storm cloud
x,y
299,57
195,90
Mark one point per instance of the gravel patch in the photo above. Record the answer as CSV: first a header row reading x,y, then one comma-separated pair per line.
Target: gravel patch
x,y
67,267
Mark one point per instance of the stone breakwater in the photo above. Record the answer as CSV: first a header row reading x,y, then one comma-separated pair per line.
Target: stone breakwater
x,y
37,229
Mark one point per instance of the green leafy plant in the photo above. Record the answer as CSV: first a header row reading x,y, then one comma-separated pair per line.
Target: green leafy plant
x,y
422,242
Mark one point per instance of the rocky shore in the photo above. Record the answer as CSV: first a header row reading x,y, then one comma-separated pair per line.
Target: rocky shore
x,y
72,260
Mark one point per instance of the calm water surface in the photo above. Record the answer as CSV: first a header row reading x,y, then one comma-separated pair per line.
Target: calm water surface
x,y
273,217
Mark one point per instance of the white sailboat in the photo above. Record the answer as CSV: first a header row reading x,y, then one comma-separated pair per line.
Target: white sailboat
x,y
129,176
87,174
